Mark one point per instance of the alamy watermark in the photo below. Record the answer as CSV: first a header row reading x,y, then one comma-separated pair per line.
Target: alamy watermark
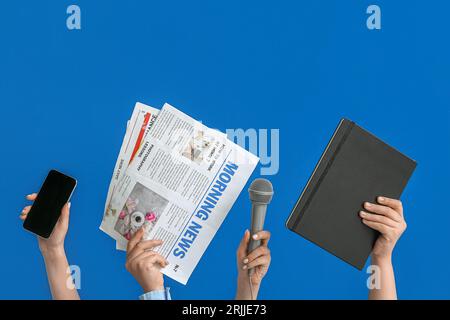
x,y
73,280
374,280
265,143
73,21
374,20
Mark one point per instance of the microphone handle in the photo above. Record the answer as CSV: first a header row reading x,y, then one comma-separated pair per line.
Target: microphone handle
x,y
258,216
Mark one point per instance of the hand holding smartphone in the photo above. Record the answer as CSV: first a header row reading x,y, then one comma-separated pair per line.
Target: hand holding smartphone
x,y
46,210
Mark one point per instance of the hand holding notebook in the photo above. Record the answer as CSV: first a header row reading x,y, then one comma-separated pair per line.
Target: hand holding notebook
x,y
386,217
355,168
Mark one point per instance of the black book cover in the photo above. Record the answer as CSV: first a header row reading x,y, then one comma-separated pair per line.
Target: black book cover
x,y
355,167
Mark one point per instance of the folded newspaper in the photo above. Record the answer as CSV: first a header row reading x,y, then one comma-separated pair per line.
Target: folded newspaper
x,y
178,180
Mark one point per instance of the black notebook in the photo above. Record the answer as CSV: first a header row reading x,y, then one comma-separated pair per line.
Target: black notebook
x,y
355,167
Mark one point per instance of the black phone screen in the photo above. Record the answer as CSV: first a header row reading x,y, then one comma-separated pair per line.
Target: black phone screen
x,y
54,194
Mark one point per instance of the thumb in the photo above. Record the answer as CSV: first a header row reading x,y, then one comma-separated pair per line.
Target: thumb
x,y
65,213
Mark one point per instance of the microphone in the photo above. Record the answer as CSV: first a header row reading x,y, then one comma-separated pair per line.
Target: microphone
x,y
261,193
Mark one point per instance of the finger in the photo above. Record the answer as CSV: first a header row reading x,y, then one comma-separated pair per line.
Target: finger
x,y
135,240
264,236
242,250
381,228
157,259
383,210
261,261
26,210
258,252
65,213
378,218
140,256
31,197
144,246
24,213
395,204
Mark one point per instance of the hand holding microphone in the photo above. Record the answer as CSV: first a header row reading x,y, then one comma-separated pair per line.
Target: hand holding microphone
x,y
261,193
253,255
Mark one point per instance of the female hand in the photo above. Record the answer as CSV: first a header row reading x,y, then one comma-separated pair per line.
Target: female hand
x,y
52,249
56,240
257,260
144,264
387,218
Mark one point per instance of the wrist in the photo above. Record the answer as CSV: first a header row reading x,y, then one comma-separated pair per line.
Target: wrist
x,y
153,287
381,260
53,252
244,292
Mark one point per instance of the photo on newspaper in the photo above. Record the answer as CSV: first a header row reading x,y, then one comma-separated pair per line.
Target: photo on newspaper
x,y
142,210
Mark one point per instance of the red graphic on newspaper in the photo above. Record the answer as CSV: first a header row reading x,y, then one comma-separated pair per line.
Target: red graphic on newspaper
x,y
141,135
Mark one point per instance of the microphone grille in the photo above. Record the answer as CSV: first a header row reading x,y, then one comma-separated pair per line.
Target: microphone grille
x,y
261,191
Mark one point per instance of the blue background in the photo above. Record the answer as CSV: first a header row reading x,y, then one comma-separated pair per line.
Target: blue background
x,y
298,66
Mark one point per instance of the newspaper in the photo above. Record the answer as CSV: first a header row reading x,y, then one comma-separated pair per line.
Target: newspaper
x,y
138,126
179,187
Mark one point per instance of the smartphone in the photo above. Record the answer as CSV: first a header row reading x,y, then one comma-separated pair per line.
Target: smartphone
x,y
46,210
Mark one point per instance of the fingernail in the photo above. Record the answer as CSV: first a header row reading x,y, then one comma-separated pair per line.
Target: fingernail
x,y
255,237
362,214
244,268
381,199
245,261
368,204
69,204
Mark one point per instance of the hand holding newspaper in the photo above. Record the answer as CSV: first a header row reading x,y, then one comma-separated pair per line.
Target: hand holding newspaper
x,y
181,181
